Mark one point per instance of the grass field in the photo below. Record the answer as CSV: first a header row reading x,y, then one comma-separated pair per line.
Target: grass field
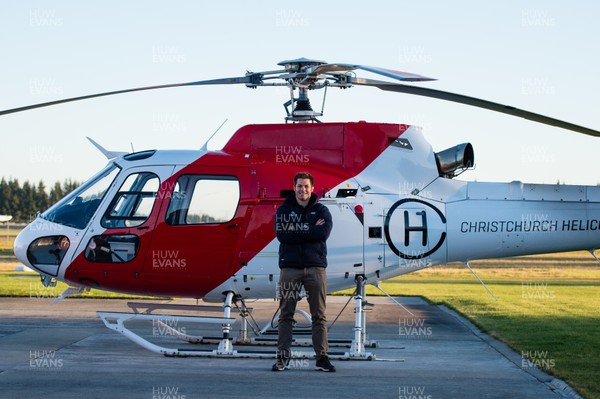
x,y
551,316
23,284
7,238
548,306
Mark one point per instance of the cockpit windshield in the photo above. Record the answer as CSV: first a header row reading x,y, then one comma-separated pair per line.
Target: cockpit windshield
x,y
78,207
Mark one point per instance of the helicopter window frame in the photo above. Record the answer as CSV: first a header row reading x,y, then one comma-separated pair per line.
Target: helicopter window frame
x,y
78,207
186,210
132,196
112,248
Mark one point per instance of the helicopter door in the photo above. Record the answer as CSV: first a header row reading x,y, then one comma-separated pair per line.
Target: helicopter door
x,y
345,244
374,240
201,226
119,234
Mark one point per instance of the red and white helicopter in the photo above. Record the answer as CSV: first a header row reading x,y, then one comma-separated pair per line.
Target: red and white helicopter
x,y
200,223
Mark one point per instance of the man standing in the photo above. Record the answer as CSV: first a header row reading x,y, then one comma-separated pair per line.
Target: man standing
x,y
302,225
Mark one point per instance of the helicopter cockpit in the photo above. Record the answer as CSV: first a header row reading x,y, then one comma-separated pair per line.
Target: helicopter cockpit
x,y
78,207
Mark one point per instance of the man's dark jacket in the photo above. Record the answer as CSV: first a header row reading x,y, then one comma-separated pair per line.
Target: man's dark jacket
x,y
302,242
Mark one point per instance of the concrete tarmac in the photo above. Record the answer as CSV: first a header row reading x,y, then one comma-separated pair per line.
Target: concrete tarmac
x,y
64,350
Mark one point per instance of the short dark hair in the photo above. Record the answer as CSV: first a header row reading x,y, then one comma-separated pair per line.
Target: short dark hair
x,y
304,175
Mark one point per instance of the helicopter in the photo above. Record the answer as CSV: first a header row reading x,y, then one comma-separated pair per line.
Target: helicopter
x,y
200,223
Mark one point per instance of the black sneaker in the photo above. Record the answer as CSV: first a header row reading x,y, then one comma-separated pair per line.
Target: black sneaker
x,y
324,364
281,364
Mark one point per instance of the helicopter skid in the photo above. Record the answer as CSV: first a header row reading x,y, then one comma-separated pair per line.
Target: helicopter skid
x,y
257,341
116,321
164,323
267,336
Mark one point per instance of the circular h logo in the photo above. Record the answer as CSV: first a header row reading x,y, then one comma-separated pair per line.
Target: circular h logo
x,y
412,224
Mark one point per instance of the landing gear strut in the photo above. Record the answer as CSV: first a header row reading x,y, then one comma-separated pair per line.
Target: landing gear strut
x,y
225,347
357,348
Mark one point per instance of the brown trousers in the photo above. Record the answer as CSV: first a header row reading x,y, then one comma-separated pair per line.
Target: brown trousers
x,y
314,281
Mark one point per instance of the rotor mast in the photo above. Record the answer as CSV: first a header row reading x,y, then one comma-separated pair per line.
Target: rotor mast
x,y
299,76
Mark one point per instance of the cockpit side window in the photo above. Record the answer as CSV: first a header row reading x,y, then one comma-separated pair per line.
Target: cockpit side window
x,y
201,199
133,203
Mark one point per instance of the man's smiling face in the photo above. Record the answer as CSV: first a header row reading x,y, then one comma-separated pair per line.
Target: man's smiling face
x,y
303,190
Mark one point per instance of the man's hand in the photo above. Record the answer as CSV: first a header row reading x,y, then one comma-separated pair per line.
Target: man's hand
x,y
320,222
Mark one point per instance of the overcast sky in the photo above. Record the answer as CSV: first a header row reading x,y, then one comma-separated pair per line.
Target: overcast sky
x,y
542,56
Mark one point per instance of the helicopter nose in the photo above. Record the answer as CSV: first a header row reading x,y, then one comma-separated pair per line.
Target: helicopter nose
x,y
41,247
22,241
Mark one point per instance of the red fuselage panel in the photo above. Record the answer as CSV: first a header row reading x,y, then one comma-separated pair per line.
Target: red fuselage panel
x,y
264,158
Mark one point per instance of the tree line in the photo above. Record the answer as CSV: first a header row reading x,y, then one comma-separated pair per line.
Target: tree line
x,y
22,201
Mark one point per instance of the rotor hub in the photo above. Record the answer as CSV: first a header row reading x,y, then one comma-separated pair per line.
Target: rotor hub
x,y
300,65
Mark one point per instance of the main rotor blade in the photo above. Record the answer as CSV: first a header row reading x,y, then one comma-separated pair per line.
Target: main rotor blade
x,y
404,76
475,102
223,81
